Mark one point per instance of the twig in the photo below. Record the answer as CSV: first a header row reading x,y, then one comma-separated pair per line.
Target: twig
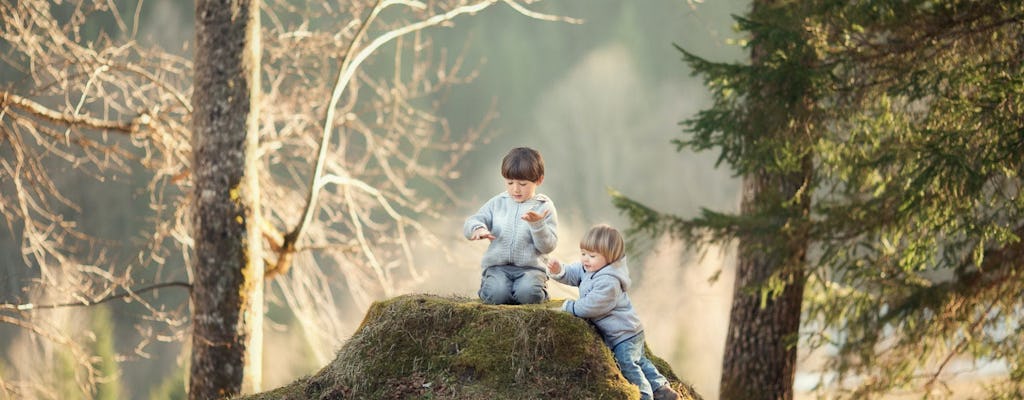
x,y
7,98
348,68
86,303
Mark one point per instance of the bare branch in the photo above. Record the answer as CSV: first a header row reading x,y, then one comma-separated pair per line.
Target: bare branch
x,y
90,109
87,303
351,64
541,16
13,100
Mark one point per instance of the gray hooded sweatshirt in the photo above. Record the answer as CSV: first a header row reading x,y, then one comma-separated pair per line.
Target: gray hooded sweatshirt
x,y
516,242
604,300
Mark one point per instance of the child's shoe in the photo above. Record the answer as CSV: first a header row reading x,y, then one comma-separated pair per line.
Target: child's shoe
x,y
665,392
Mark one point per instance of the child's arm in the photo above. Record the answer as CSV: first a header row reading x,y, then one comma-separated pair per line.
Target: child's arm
x,y
478,226
554,268
482,233
598,302
569,274
543,227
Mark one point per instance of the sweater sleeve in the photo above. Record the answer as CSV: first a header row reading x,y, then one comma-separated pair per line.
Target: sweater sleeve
x,y
598,302
482,219
572,274
545,231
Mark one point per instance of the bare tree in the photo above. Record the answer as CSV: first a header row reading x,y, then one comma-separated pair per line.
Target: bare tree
x,y
88,103
83,109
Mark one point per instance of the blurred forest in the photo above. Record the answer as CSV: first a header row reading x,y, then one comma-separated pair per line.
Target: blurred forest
x,y
879,237
601,100
878,144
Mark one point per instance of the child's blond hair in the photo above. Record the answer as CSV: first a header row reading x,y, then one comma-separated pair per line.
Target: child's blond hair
x,y
604,240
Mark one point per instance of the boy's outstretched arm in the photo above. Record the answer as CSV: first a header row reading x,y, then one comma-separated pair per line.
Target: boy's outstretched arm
x,y
543,228
598,302
554,267
533,216
480,220
482,233
569,274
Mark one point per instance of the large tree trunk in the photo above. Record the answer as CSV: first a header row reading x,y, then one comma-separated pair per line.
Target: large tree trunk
x,y
760,349
761,346
227,269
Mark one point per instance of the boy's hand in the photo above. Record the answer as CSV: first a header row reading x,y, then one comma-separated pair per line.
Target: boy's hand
x,y
533,216
482,233
554,267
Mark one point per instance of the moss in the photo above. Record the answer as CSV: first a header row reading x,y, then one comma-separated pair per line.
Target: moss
x,y
430,347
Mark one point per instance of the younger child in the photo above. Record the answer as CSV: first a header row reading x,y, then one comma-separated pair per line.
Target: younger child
x,y
521,226
603,280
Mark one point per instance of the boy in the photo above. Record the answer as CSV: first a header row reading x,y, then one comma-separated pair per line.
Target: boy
x,y
521,225
603,280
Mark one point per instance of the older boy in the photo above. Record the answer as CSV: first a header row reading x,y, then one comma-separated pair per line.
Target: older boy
x,y
521,225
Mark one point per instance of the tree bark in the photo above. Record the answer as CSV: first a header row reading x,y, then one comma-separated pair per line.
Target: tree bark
x,y
227,269
761,346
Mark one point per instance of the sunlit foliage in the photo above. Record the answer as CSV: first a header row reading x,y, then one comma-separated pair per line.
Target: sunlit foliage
x,y
917,216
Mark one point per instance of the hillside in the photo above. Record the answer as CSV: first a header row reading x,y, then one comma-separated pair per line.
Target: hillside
x,y
430,347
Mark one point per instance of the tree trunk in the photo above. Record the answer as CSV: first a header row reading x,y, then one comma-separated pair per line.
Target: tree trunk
x,y
760,349
761,346
228,268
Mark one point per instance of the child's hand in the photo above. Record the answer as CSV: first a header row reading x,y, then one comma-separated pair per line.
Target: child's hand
x,y
482,233
554,267
533,216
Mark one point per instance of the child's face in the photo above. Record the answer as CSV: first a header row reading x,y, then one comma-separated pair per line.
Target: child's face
x,y
592,261
521,190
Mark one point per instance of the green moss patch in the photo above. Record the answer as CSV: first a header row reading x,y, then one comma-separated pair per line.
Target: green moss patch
x,y
431,347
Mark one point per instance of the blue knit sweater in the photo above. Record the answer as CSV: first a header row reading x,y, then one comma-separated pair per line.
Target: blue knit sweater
x,y
516,242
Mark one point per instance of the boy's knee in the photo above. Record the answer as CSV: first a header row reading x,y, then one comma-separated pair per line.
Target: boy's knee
x,y
531,294
491,294
495,287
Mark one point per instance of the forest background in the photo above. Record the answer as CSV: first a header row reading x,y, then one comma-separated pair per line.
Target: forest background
x,y
601,100
879,144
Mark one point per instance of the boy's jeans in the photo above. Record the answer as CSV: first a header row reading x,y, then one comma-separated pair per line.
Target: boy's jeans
x,y
509,284
637,369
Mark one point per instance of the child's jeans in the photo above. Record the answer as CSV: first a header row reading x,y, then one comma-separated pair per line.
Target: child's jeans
x,y
637,369
509,284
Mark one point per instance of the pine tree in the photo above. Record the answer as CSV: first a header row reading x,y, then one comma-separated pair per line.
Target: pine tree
x,y
916,127
920,217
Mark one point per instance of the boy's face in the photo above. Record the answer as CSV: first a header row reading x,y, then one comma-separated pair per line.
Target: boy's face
x,y
521,190
592,261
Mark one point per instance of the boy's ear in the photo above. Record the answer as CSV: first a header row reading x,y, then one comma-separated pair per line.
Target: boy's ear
x,y
540,180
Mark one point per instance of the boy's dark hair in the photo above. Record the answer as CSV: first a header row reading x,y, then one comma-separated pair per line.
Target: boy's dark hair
x,y
523,163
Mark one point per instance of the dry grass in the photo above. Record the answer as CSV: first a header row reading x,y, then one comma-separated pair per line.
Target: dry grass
x,y
430,347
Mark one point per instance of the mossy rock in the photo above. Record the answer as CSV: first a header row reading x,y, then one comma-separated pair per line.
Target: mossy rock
x,y
431,347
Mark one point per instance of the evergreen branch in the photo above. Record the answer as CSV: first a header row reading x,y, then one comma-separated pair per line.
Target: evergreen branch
x,y
964,341
998,267
643,219
938,39
85,303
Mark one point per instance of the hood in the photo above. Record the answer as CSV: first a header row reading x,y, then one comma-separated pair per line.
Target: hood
x,y
619,270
